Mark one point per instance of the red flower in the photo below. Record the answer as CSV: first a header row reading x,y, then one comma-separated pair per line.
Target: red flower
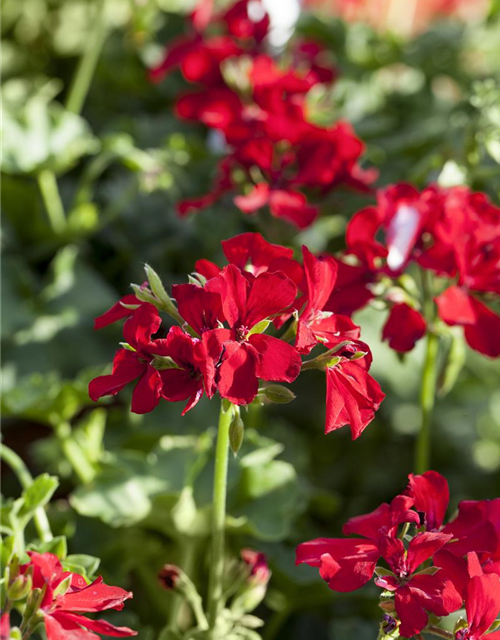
x,y
61,612
315,325
185,382
130,365
5,627
235,358
347,565
257,562
403,328
482,603
481,325
416,594
352,395
200,308
431,496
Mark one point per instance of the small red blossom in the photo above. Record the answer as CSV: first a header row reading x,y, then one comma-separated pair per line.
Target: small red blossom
x,y
403,328
62,612
257,562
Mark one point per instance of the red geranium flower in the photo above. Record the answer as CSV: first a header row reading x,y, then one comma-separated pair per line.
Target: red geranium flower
x,y
129,365
482,603
403,328
62,612
235,358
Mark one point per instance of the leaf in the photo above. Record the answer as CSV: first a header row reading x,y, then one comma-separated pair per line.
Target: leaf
x,y
38,494
58,546
42,135
82,564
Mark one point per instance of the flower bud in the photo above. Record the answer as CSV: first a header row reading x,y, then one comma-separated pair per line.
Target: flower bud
x,y
169,577
389,623
19,587
278,394
236,433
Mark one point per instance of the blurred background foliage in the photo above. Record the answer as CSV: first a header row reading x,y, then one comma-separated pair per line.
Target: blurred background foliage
x,y
88,197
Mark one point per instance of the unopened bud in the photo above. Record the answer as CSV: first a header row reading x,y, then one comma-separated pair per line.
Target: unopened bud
x,y
169,577
63,586
278,394
19,587
236,433
164,362
389,623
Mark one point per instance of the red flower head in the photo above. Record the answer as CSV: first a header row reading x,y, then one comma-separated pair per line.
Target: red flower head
x,y
133,363
403,328
315,325
236,357
416,594
431,496
352,395
348,564
482,603
62,611
257,562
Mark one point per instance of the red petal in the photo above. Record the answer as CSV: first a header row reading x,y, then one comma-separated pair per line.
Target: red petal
x,y
321,274
251,249
432,495
482,602
270,294
278,361
200,308
126,367
95,597
61,629
292,206
423,546
117,312
208,354
100,626
411,614
237,374
5,627
147,392
403,328
139,328
346,564
254,200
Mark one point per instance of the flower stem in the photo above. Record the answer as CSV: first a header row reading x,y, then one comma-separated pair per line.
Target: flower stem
x,y
427,400
25,479
88,62
437,631
47,184
215,587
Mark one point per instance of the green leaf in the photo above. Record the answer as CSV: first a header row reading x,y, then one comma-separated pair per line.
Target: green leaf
x,y
82,564
58,546
38,494
43,135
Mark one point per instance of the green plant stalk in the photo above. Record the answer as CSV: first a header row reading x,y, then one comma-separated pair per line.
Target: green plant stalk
x,y
88,62
79,463
429,380
47,184
427,401
25,479
437,631
215,587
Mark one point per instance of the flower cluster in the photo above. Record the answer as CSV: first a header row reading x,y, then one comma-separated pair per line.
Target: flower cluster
x,y
222,344
431,567
451,233
274,157
58,598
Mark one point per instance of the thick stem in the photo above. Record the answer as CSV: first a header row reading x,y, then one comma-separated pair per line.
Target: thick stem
x,y
81,466
47,184
88,62
215,587
25,479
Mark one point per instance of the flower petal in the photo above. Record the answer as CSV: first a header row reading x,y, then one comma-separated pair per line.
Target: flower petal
x,y
147,392
126,367
277,361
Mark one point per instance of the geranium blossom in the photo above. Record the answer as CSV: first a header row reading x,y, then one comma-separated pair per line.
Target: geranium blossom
x,y
62,608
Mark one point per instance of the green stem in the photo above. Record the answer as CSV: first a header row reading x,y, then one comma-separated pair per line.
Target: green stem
x,y
437,631
427,400
215,587
47,184
25,479
78,461
88,62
